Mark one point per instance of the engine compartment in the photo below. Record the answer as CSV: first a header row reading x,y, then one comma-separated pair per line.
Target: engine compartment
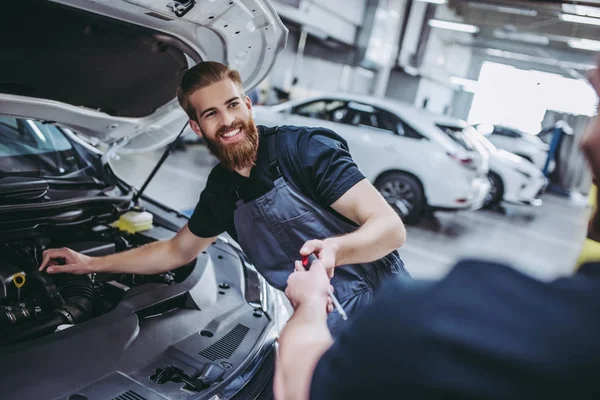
x,y
34,303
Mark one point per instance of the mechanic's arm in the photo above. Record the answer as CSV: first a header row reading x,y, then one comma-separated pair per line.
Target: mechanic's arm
x,y
305,336
153,258
381,229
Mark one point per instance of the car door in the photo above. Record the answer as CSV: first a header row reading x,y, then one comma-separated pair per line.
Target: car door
x,y
379,140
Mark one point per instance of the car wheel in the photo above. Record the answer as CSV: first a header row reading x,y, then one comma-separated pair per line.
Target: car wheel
x,y
404,193
494,196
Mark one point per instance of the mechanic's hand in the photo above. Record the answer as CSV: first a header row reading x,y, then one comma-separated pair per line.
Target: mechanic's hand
x,y
74,262
310,286
326,252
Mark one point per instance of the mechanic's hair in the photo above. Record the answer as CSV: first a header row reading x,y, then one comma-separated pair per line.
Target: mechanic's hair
x,y
200,76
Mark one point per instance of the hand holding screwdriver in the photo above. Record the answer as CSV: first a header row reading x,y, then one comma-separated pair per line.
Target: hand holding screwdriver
x,y
306,262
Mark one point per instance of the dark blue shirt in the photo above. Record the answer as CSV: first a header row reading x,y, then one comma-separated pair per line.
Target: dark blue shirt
x,y
485,331
316,161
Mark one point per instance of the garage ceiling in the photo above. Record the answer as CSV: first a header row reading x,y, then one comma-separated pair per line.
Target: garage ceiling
x,y
554,35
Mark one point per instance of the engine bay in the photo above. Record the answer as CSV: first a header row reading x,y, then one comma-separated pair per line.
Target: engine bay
x,y
34,303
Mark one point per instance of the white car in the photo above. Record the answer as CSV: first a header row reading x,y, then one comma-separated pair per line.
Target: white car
x,y
417,166
109,70
530,147
513,179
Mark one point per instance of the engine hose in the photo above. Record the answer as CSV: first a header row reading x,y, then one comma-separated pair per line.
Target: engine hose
x,y
77,309
13,315
79,292
31,329
48,287
75,286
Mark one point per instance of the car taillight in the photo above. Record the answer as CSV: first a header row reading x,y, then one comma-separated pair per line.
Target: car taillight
x,y
465,161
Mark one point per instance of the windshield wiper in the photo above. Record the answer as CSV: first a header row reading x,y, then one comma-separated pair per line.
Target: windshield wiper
x,y
32,188
29,176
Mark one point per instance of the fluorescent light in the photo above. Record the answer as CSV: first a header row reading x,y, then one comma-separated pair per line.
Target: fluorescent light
x,y
578,19
584,44
504,9
522,37
453,26
585,11
434,1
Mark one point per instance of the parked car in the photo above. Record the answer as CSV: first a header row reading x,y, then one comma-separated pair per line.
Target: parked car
x,y
525,145
108,71
416,165
513,179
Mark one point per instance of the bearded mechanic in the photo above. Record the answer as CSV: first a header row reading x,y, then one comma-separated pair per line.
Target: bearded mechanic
x,y
281,193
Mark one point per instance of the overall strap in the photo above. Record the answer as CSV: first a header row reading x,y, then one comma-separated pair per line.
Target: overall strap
x,y
272,136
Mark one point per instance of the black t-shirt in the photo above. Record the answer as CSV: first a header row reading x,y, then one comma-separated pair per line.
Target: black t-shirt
x,y
485,331
316,160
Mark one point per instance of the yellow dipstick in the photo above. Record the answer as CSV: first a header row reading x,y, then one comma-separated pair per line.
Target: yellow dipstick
x,y
19,281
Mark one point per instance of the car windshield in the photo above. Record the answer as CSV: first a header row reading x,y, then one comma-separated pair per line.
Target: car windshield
x,y
34,148
474,134
456,134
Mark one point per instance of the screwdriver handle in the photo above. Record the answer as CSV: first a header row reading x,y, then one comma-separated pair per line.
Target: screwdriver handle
x,y
308,260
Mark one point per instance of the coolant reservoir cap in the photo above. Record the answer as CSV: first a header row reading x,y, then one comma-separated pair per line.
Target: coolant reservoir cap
x,y
19,280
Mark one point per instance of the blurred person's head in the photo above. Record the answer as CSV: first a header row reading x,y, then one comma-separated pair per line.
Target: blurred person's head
x,y
213,98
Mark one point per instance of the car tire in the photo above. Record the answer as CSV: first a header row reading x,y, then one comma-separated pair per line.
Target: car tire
x,y
496,193
404,194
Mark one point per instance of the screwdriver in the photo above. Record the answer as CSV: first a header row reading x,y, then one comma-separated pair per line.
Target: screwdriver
x,y
306,262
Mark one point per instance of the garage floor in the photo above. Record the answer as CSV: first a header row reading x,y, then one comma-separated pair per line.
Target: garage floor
x,y
543,241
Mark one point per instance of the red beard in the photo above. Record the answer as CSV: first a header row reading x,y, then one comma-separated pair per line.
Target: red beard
x,y
238,155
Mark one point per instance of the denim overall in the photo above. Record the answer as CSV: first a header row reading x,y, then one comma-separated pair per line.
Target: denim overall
x,y
272,228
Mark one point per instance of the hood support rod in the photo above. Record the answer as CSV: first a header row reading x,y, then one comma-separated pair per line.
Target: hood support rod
x,y
160,162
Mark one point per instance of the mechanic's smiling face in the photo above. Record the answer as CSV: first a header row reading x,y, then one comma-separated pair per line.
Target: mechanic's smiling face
x,y
224,120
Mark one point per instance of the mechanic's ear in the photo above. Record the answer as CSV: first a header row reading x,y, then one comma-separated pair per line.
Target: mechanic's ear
x,y
196,128
248,102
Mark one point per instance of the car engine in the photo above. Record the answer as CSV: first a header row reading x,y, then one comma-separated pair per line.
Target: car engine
x,y
34,303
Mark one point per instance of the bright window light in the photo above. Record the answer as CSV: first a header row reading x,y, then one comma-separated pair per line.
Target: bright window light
x,y
434,1
585,11
578,19
453,26
520,98
584,44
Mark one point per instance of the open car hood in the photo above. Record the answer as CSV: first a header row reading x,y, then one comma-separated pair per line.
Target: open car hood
x,y
110,69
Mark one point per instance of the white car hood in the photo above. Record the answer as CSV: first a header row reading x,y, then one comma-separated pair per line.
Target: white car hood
x,y
109,69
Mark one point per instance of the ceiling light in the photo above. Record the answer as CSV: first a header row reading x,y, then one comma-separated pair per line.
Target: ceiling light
x,y
585,11
504,9
434,1
522,37
453,26
584,44
578,19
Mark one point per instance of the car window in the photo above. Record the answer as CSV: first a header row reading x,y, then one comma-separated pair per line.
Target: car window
x,y
456,134
33,147
506,132
321,109
389,122
25,137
